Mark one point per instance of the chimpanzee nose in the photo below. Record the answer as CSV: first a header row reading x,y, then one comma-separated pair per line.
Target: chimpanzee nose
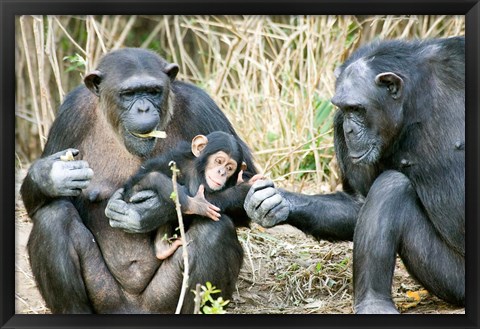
x,y
143,106
222,172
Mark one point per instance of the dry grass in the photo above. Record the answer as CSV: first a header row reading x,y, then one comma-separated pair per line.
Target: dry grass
x,y
273,77
287,272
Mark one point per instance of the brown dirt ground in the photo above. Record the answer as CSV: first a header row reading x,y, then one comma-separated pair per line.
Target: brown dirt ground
x,y
284,272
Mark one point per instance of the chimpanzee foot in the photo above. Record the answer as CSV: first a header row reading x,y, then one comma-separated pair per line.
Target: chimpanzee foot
x,y
163,249
376,306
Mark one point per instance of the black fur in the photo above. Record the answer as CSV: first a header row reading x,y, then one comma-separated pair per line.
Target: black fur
x,y
406,195
191,170
81,263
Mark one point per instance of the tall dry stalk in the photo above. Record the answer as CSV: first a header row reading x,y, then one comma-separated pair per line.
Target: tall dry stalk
x,y
271,75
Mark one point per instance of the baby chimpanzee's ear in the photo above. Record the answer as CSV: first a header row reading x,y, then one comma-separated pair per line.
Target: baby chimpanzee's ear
x,y
198,144
243,166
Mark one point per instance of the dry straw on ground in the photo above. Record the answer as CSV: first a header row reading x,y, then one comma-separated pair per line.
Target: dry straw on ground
x,y
273,77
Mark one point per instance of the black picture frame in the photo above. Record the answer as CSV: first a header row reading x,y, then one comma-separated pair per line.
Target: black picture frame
x,y
10,8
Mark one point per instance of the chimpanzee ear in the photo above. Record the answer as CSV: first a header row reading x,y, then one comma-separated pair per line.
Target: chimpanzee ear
x,y
393,83
92,81
171,70
198,144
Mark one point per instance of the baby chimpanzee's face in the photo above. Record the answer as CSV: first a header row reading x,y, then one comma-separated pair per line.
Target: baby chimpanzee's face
x,y
220,167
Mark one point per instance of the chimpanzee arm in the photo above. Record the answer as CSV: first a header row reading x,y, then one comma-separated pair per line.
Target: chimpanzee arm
x,y
129,210
330,217
49,177
163,185
230,201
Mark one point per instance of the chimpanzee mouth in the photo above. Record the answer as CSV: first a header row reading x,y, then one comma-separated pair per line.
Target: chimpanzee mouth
x,y
150,135
357,159
215,183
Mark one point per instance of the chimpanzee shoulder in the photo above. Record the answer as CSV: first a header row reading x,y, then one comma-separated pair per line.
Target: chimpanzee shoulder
x,y
74,116
200,106
179,154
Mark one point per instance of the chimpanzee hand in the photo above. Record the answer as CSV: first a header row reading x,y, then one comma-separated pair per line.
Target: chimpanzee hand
x,y
140,215
200,206
56,177
264,204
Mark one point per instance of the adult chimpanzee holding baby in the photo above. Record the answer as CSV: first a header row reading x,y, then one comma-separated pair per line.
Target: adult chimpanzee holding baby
x,y
399,138
85,262
208,165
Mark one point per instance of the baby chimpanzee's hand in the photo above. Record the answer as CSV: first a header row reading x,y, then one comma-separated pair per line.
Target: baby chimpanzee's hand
x,y
200,206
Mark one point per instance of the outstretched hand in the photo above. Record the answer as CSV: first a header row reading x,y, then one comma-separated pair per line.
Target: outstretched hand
x,y
265,205
200,206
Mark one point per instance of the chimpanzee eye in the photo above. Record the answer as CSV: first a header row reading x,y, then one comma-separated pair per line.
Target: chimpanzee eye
x,y
154,92
127,93
218,161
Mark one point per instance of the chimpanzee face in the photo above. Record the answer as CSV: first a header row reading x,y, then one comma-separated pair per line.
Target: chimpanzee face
x,y
370,106
133,86
218,160
141,100
220,167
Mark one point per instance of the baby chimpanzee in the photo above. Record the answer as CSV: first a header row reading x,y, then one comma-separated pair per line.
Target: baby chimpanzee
x,y
210,164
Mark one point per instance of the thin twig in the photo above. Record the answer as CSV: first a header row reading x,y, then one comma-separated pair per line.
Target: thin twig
x,y
198,299
174,169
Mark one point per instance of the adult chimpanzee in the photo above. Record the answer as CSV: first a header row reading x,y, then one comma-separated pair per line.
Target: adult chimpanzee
x,y
85,262
399,137
208,165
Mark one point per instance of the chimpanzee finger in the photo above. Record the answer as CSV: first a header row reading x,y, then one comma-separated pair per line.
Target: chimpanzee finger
x,y
81,174
56,156
277,214
213,215
268,204
74,165
261,184
255,199
213,207
201,191
120,216
116,209
142,196
240,177
77,184
117,195
71,191
257,177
